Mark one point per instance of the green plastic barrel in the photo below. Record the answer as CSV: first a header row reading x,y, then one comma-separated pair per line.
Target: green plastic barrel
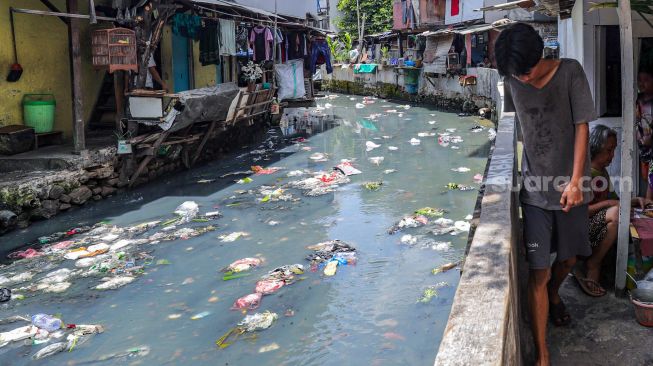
x,y
411,76
38,111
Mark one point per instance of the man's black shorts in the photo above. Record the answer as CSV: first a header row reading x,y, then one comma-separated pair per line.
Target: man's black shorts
x,y
554,231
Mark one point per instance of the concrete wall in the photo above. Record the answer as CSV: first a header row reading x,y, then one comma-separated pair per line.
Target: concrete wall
x,y
42,43
483,326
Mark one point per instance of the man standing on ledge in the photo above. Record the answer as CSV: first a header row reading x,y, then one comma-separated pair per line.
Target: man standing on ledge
x,y
553,106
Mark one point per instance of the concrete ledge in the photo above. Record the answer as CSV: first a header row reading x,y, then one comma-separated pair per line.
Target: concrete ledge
x,y
483,327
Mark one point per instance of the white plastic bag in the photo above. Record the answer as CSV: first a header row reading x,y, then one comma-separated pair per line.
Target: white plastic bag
x,y
290,78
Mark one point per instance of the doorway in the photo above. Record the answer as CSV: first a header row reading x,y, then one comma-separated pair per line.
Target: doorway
x,y
180,63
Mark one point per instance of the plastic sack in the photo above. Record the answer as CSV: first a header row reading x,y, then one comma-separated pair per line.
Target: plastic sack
x,y
258,321
115,282
290,78
269,286
243,265
187,210
251,302
46,322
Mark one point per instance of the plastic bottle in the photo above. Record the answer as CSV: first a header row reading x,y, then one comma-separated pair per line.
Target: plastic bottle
x,y
47,322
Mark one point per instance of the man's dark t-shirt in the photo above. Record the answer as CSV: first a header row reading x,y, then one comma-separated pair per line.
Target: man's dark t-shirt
x,y
548,117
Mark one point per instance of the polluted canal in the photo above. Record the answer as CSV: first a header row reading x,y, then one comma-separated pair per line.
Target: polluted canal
x,y
282,260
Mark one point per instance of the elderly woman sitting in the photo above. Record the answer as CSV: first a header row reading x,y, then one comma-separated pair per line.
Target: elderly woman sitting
x,y
603,210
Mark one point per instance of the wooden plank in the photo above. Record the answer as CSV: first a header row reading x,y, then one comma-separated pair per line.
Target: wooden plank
x,y
147,159
76,78
237,109
627,140
207,135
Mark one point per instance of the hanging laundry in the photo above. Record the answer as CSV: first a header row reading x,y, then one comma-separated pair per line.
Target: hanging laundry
x,y
242,41
408,13
210,42
186,25
278,43
227,37
320,48
296,45
260,39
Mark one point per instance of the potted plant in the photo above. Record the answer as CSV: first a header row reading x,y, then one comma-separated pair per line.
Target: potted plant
x,y
251,73
385,51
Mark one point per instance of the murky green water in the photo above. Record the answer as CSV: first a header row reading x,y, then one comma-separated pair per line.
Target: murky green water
x,y
366,314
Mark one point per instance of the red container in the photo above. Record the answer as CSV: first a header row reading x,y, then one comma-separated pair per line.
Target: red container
x,y
643,313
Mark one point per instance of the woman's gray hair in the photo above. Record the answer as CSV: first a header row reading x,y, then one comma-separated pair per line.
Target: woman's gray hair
x,y
598,138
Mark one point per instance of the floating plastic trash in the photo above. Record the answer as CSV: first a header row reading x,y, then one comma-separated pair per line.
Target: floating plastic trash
x,y
393,148
270,286
430,212
243,265
372,186
269,348
461,169
408,239
115,282
441,246
462,225
360,105
258,321
295,173
318,157
331,268
376,160
444,268
369,146
46,322
409,222
347,169
187,211
232,237
201,315
250,302
415,141
259,170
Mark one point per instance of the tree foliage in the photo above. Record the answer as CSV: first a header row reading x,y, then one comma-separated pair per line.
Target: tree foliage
x,y
340,47
378,16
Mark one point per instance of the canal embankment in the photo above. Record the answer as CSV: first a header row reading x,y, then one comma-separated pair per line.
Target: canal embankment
x,y
39,185
485,326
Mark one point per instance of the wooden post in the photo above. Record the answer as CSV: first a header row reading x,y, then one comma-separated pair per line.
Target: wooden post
x,y
627,140
119,95
76,78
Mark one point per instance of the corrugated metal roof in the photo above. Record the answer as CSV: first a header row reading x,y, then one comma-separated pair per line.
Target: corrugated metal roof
x,y
470,29
438,32
236,6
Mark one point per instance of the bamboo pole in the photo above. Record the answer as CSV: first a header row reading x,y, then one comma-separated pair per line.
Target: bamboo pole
x,y
627,141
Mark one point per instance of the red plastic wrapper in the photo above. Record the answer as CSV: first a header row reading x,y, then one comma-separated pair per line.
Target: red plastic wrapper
x,y
267,287
251,302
